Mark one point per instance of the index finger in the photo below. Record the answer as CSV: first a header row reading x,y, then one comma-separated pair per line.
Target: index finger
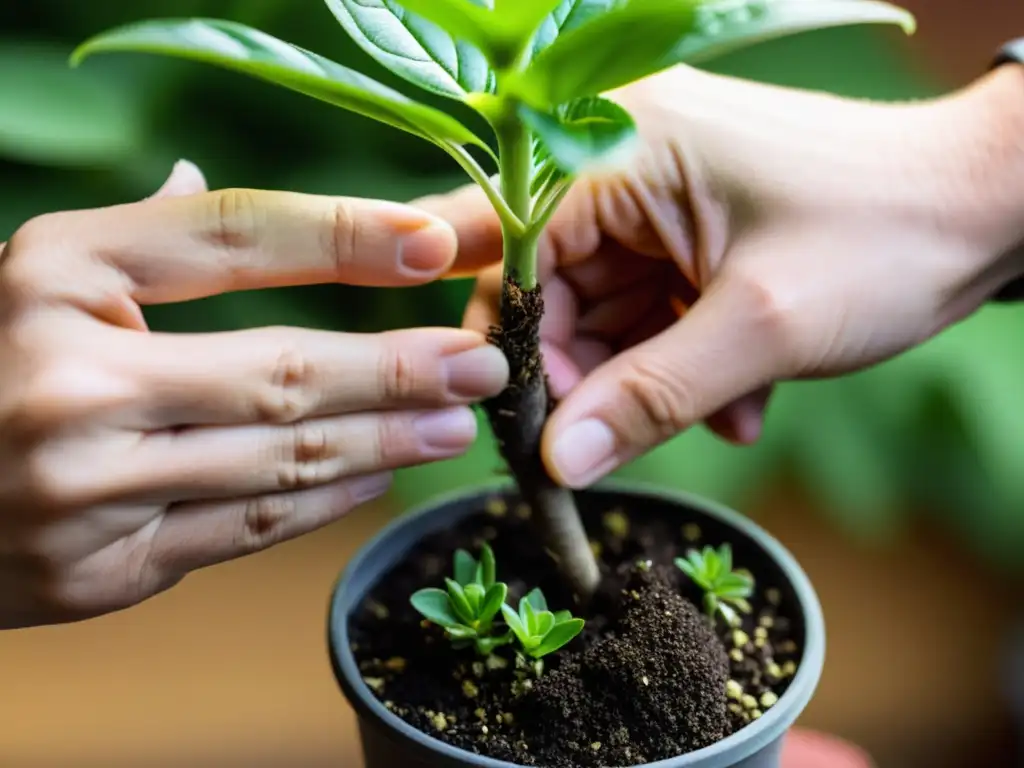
x,y
181,248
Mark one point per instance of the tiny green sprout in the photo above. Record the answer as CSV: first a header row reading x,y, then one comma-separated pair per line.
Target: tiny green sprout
x,y
539,630
467,608
725,590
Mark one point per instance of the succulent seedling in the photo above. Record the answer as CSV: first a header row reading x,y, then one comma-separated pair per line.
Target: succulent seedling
x,y
539,630
725,590
536,72
468,607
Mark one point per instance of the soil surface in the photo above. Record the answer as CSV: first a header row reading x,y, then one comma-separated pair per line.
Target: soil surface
x,y
649,678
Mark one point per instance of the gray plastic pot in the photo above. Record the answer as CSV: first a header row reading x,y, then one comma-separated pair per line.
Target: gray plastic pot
x,y
390,742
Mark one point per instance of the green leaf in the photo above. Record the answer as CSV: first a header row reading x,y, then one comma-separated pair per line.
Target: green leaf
x,y
459,602
559,635
561,616
249,51
586,61
493,601
723,26
414,48
434,605
522,18
462,19
464,566
529,617
545,622
475,594
587,132
725,558
460,632
488,568
536,600
569,15
727,613
515,623
53,116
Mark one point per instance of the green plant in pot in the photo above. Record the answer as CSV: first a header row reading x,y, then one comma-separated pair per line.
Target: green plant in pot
x,y
573,639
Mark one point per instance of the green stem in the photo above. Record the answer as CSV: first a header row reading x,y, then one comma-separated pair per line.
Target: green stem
x,y
515,154
511,223
547,204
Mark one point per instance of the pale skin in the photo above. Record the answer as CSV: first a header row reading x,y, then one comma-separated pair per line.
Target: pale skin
x,y
759,234
131,458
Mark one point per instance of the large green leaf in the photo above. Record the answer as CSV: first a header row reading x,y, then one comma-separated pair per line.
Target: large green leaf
x,y
587,132
414,48
240,48
569,15
51,115
610,50
723,26
521,18
462,19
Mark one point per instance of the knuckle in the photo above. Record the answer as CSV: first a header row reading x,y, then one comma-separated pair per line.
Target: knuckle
x,y
399,377
392,442
302,463
234,216
290,395
661,397
345,235
47,485
772,308
264,521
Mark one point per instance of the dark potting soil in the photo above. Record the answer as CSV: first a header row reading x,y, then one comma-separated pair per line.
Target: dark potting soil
x,y
648,679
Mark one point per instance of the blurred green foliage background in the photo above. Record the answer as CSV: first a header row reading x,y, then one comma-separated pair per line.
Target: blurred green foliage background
x,y
940,429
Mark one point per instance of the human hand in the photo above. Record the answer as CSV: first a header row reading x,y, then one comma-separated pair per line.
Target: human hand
x,y
760,234
130,458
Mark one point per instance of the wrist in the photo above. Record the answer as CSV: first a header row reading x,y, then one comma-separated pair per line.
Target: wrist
x,y
985,143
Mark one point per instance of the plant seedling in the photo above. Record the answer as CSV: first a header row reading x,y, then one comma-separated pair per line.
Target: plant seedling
x,y
539,630
535,71
467,608
725,590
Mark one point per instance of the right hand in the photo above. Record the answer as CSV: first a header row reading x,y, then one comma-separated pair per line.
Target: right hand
x,y
129,458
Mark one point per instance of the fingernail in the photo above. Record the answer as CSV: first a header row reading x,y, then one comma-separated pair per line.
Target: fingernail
x,y
448,431
369,487
477,373
584,452
426,251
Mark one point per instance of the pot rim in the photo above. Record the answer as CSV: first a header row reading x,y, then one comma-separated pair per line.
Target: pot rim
x,y
722,754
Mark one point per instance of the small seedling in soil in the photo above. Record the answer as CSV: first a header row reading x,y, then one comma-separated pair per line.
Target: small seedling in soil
x,y
540,631
467,608
725,590
536,72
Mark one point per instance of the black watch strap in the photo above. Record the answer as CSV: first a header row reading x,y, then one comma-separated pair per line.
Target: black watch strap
x,y
1011,53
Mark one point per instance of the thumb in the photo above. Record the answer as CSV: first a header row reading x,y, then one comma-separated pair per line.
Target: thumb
x,y
185,179
723,349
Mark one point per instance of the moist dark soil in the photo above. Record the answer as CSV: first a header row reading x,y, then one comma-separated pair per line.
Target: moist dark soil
x,y
649,678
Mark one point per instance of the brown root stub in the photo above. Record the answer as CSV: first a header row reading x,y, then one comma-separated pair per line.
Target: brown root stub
x,y
517,417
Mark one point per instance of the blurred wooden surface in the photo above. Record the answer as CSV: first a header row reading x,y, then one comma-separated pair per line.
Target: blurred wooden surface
x,y
230,668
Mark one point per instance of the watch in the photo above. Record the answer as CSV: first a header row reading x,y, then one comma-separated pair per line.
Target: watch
x,y
1011,53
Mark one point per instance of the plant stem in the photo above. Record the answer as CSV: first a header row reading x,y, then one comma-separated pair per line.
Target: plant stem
x,y
510,222
518,415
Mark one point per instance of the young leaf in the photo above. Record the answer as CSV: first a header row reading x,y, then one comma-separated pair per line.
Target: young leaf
x,y
515,623
459,632
725,558
686,567
536,600
587,132
584,62
545,623
562,616
464,566
529,617
488,568
414,48
251,52
433,604
493,601
723,26
559,635
475,597
522,18
459,603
